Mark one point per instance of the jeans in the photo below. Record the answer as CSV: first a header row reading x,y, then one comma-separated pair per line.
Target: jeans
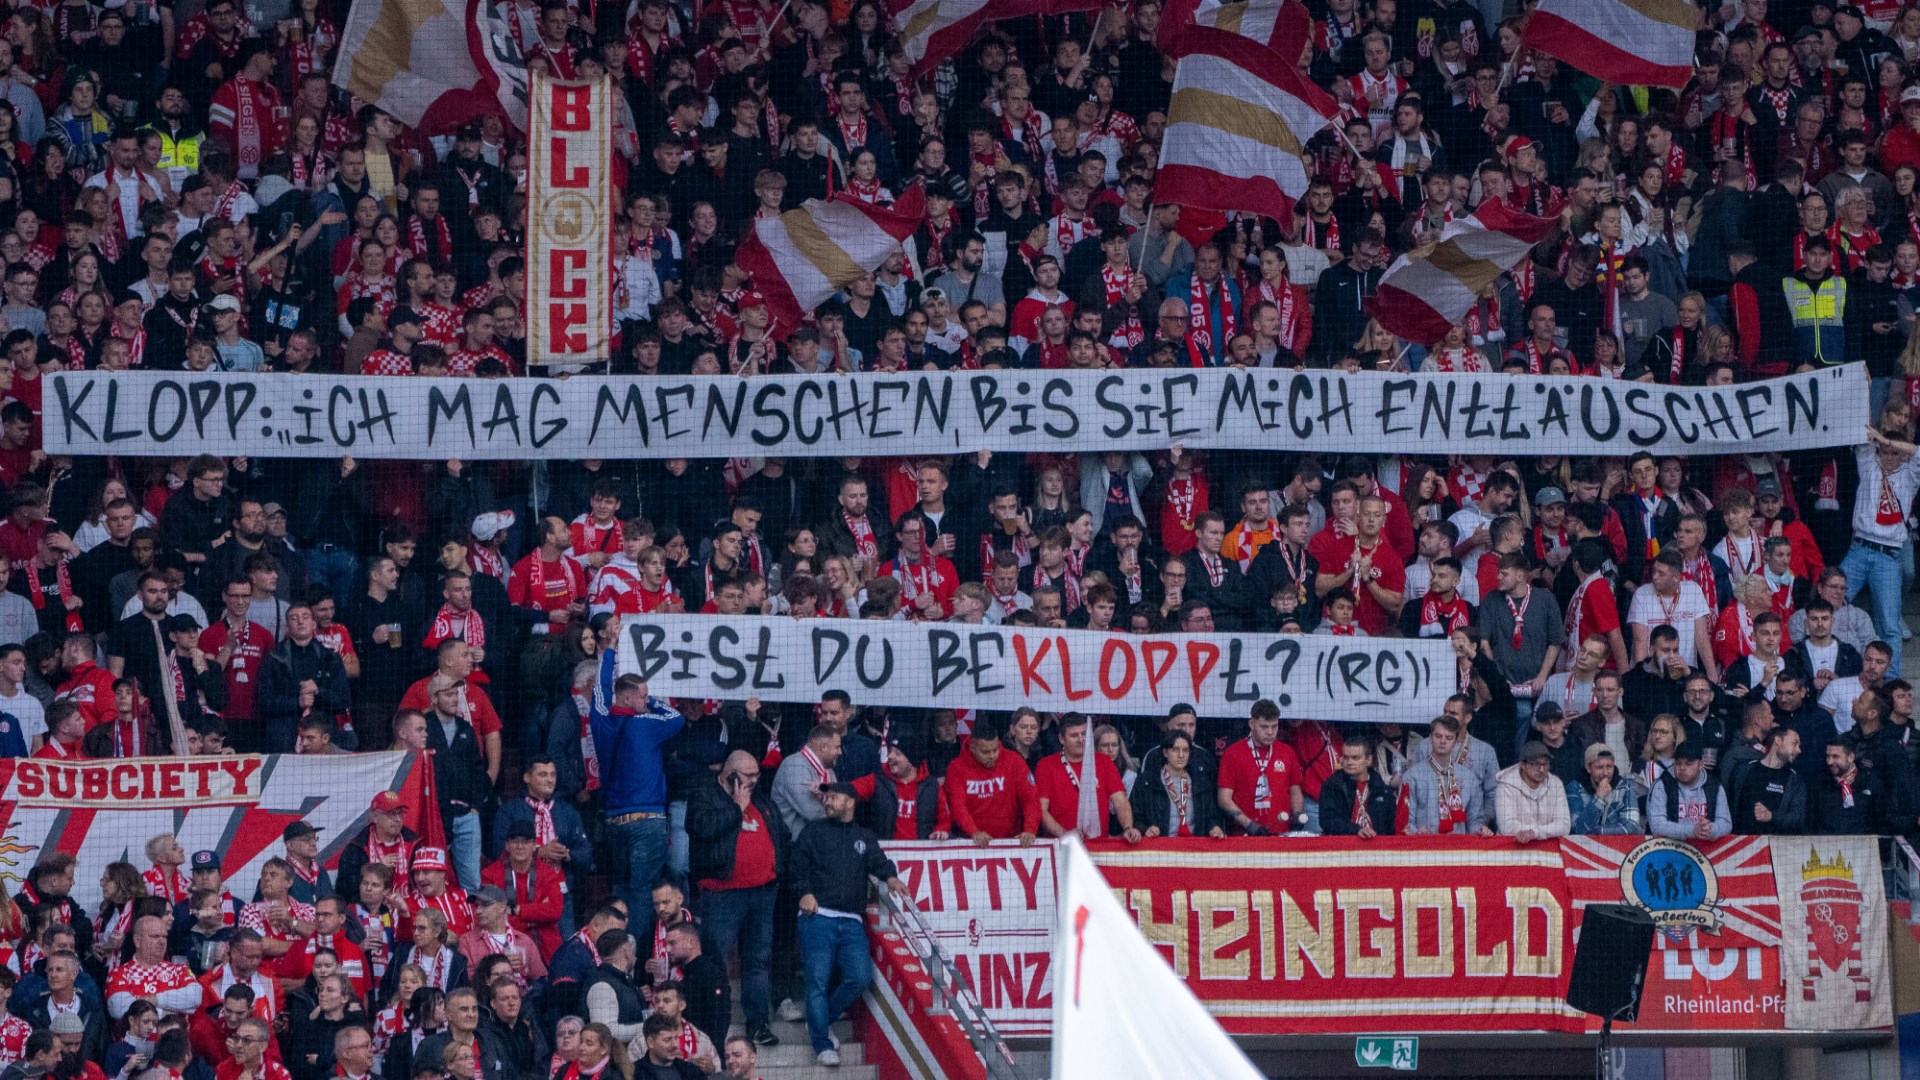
x,y
644,843
743,919
1310,811
463,847
1870,568
827,943
335,567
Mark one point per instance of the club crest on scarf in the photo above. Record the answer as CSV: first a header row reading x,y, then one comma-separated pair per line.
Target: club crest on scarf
x,y
1674,884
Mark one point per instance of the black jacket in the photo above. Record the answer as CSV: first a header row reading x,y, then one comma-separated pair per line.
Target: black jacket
x,y
1152,807
832,861
1336,806
1789,816
1829,814
713,829
459,767
709,997
93,1044
885,808
520,1046
283,671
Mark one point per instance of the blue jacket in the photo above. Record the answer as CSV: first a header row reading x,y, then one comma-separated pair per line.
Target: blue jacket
x,y
628,745
1181,289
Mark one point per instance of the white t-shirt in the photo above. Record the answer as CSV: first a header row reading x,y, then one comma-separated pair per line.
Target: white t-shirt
x,y
1823,659
27,709
1650,611
1838,699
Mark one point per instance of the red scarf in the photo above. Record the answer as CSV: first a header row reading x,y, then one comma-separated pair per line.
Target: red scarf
x,y
1199,320
1326,236
254,108
865,544
439,248
472,630
62,588
1115,283
1700,572
1446,616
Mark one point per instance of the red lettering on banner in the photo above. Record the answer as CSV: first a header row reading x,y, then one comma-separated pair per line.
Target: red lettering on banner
x,y
1030,665
568,269
1066,674
1108,686
559,173
566,328
1157,669
144,781
572,107
1201,657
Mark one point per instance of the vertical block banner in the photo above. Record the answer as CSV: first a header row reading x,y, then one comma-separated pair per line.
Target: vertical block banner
x,y
569,222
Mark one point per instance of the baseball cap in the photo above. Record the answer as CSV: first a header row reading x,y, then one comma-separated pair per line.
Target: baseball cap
x,y
442,681
297,830
182,624
1546,712
224,303
429,858
491,894
386,802
1549,496
1767,488
402,315
492,524
522,830
1598,751
752,299
840,788
1517,144
1535,751
1910,94
205,860
273,509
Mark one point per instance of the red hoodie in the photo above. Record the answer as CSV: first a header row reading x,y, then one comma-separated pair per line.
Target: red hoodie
x,y
1000,801
89,686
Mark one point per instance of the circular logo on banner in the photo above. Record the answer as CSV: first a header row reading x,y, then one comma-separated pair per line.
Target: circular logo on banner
x,y
568,217
1674,884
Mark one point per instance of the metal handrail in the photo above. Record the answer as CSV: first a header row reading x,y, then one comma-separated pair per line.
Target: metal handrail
x,y
951,991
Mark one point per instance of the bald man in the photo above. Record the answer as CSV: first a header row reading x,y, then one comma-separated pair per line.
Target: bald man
x,y
738,845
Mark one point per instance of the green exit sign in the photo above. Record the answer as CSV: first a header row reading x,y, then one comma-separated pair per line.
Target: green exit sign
x,y
1386,1052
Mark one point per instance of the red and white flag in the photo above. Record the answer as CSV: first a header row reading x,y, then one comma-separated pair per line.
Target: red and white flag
x,y
801,258
433,64
932,30
1242,111
1624,42
569,221
1424,293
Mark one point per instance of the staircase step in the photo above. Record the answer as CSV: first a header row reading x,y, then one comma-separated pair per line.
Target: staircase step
x,y
820,1072
798,1052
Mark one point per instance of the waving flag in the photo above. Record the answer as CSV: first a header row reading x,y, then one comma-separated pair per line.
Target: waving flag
x,y
433,64
1423,294
801,258
932,30
1625,42
1242,111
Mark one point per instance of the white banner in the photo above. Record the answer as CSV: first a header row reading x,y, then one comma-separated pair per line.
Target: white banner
x,y
104,811
155,413
1833,932
953,666
992,910
569,222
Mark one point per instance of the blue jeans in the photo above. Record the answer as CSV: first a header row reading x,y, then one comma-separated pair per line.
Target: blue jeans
x,y
1874,569
644,843
1309,809
743,919
827,943
463,847
335,567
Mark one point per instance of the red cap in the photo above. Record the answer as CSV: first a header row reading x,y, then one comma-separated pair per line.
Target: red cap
x,y
1517,144
429,858
386,802
753,298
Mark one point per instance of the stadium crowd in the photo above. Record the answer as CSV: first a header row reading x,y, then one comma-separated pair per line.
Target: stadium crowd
x,y
1652,645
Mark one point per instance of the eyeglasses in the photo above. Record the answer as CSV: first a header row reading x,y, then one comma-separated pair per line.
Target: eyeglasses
x,y
245,1040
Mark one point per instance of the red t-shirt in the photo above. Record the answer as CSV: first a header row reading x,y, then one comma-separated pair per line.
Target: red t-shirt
x,y
752,855
548,586
1388,572
1240,773
243,667
1061,789
1592,610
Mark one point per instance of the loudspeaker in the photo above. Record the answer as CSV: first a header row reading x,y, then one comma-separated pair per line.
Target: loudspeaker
x,y
1610,963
